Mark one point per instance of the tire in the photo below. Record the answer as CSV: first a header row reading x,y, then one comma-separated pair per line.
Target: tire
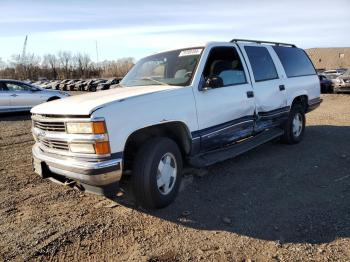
x,y
52,98
294,131
146,179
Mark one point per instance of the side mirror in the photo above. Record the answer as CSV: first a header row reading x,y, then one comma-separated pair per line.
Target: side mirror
x,y
212,82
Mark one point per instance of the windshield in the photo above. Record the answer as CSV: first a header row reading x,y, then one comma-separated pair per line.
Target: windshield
x,y
346,73
168,68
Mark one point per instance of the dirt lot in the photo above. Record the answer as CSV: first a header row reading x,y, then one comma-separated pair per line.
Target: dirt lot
x,y
275,203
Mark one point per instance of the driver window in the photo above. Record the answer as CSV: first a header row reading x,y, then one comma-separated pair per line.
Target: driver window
x,y
224,62
16,87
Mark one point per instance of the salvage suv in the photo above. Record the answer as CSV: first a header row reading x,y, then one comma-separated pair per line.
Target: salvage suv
x,y
194,106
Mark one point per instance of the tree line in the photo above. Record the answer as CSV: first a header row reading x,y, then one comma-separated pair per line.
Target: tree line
x,y
63,65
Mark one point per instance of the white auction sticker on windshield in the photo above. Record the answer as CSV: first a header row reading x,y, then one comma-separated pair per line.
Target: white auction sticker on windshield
x,y
189,52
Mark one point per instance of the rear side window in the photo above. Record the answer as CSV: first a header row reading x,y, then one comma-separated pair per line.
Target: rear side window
x,y
262,63
295,61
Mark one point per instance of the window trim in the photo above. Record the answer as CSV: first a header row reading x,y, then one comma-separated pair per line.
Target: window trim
x,y
273,62
232,47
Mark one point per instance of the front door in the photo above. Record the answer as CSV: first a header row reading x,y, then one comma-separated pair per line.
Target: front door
x,y
225,113
22,96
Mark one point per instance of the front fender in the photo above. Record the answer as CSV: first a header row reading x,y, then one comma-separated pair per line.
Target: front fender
x,y
123,118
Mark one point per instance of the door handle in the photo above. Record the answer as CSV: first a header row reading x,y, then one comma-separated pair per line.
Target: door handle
x,y
282,87
14,95
250,94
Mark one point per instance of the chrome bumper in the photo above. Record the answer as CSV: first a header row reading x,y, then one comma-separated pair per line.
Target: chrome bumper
x,y
91,172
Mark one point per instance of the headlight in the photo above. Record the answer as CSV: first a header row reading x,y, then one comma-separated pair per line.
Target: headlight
x,y
86,128
82,148
99,148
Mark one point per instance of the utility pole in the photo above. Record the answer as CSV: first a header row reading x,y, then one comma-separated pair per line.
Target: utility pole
x,y
22,58
96,52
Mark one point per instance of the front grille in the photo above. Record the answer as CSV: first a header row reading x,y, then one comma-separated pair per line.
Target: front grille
x,y
50,126
54,144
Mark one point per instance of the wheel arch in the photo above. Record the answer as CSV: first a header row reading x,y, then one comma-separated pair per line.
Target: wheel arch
x,y
53,98
301,99
176,130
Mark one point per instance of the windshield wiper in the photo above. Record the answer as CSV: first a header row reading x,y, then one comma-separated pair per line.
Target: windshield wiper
x,y
155,81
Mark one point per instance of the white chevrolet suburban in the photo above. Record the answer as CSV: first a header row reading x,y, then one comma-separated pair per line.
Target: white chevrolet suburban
x,y
197,105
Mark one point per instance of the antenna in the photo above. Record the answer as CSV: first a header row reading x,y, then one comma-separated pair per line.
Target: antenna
x,y
96,52
22,58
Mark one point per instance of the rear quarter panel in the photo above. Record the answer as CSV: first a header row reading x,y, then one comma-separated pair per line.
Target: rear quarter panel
x,y
302,85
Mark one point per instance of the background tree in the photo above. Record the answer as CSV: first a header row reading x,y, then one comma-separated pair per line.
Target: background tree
x,y
62,65
51,61
65,60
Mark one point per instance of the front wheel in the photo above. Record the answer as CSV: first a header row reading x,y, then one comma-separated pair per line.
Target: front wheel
x,y
294,128
157,173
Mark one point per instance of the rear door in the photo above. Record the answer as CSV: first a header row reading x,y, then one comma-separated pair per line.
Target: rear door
x,y
268,85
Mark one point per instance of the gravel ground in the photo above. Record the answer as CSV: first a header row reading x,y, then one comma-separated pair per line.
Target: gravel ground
x,y
275,203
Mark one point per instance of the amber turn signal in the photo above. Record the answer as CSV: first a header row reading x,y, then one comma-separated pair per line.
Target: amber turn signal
x,y
102,148
99,127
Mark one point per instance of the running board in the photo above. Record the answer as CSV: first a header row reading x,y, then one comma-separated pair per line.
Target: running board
x,y
218,155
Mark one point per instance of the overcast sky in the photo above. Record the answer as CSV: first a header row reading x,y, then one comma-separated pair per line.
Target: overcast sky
x,y
137,28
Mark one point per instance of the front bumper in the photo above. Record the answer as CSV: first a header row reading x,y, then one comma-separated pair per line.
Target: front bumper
x,y
342,87
98,173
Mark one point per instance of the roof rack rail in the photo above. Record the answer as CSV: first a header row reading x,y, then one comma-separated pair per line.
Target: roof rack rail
x,y
261,42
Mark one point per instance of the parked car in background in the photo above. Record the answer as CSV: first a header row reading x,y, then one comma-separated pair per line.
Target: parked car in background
x,y
63,84
326,84
21,96
46,85
201,105
38,83
334,72
93,85
106,85
55,84
85,86
342,82
71,84
78,86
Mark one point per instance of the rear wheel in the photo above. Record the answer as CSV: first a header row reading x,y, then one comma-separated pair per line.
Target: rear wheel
x,y
157,173
295,126
53,98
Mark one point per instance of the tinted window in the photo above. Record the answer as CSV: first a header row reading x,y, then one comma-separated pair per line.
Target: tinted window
x,y
225,63
262,63
295,61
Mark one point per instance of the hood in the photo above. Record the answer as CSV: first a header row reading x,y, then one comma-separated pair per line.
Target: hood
x,y
85,104
344,77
